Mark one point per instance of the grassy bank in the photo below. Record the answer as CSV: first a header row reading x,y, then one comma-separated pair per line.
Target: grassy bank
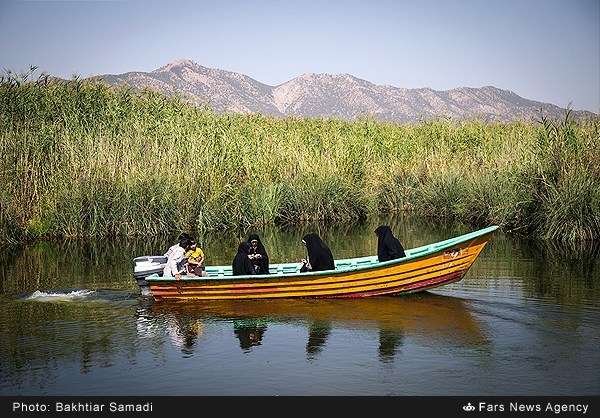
x,y
81,159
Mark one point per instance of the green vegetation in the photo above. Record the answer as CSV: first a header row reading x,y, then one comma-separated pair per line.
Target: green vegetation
x,y
82,159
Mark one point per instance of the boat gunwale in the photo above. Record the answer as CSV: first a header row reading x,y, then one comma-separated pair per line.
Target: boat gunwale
x,y
418,253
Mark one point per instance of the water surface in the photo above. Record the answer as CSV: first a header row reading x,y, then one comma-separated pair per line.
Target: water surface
x,y
524,321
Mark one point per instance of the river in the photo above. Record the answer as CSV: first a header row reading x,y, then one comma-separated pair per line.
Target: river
x,y
524,321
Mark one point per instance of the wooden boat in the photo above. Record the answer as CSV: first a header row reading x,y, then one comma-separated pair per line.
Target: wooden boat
x,y
423,268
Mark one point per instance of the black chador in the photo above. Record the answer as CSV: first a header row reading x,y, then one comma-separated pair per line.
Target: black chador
x,y
388,246
258,255
241,263
319,254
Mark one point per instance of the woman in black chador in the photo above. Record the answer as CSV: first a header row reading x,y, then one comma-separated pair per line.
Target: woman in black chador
x,y
319,255
388,246
241,263
258,255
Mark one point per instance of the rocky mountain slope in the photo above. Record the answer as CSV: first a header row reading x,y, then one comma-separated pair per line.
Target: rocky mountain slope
x,y
326,95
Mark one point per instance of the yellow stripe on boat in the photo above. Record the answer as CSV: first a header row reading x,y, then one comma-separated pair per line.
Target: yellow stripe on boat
x,y
423,268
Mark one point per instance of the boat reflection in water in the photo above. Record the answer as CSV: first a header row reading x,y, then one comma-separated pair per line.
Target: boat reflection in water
x,y
426,317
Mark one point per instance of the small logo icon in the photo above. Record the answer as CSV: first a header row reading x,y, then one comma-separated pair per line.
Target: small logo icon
x,y
468,407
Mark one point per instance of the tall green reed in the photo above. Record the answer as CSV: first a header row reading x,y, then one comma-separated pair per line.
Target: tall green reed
x,y
80,158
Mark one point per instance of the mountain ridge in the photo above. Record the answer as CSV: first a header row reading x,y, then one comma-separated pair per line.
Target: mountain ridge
x,y
333,95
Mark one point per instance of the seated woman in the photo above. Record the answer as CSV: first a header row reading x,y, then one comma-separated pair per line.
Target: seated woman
x,y
388,246
241,263
319,255
258,255
176,259
195,260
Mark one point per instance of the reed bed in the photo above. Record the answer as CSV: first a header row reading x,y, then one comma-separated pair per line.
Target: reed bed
x,y
81,159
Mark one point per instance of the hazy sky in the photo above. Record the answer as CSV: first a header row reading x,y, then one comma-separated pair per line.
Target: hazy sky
x,y
545,50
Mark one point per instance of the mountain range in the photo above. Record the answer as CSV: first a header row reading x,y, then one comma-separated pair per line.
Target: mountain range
x,y
339,95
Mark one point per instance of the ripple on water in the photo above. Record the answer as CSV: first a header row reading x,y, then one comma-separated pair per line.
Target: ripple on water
x,y
64,295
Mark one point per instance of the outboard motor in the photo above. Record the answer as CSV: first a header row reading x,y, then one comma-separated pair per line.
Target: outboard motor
x,y
146,266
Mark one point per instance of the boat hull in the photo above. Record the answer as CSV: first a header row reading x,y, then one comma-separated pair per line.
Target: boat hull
x,y
415,273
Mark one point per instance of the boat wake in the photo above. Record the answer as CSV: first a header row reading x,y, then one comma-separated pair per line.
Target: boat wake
x,y
60,296
81,295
